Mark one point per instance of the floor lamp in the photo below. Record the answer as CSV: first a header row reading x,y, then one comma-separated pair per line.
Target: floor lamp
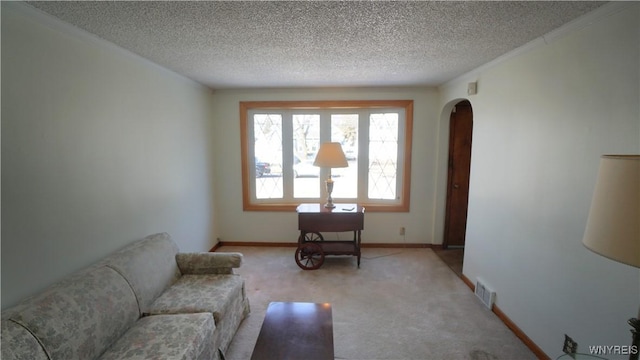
x,y
330,155
613,228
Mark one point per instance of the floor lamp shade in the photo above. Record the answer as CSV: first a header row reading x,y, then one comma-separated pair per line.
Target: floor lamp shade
x,y
613,228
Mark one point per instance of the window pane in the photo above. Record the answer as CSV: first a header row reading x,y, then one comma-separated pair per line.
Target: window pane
x,y
267,148
286,135
306,140
383,155
344,129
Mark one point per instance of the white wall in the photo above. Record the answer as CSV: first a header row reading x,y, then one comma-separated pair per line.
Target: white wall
x,y
99,148
541,121
237,225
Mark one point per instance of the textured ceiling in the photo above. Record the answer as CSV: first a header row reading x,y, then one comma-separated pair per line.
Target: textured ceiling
x,y
240,44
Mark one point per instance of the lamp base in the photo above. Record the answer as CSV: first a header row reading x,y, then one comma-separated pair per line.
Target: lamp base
x,y
329,204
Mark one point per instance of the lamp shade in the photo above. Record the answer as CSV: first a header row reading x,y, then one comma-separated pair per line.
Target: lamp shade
x,y
613,228
330,155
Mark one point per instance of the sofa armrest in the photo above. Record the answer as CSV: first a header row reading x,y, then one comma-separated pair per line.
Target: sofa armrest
x,y
208,263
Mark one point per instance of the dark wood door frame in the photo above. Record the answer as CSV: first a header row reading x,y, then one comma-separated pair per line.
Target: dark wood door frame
x,y
459,167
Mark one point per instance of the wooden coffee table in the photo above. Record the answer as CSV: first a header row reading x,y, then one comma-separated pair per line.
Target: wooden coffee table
x,y
295,330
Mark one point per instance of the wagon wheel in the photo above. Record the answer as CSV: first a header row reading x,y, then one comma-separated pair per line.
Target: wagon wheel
x,y
309,256
312,236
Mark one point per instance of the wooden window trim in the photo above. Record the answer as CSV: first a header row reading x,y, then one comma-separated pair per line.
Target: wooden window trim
x,y
245,106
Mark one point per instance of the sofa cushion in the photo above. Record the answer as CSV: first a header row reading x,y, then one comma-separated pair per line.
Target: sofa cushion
x,y
79,317
166,337
200,293
19,344
208,263
149,265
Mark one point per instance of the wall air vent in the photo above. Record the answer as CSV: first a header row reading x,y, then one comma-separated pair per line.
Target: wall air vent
x,y
486,295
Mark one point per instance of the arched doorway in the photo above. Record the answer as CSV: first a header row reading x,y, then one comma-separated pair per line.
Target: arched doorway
x,y
459,166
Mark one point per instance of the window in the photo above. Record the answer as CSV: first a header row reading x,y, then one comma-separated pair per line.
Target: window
x,y
280,141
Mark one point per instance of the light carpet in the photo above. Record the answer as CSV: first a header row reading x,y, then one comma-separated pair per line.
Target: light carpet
x,y
401,304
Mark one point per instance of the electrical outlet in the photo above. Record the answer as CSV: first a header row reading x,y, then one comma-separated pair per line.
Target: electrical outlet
x,y
401,232
570,347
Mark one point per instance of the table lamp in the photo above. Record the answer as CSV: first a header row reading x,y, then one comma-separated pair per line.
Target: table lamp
x,y
330,155
613,228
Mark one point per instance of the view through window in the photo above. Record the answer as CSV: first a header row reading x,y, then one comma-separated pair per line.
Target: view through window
x,y
280,141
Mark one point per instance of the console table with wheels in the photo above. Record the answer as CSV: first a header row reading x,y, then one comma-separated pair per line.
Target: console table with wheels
x,y
314,219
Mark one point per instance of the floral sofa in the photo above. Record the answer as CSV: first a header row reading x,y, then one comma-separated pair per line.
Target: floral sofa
x,y
146,301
